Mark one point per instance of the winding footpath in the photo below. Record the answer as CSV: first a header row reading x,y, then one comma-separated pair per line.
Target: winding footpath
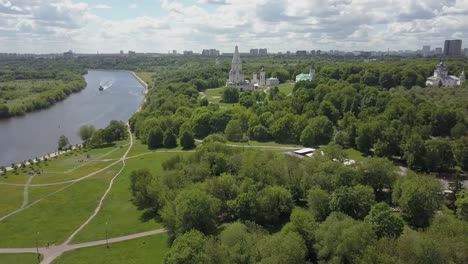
x,y
49,254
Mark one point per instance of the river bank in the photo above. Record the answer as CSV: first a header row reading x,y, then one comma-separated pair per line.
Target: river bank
x,y
35,134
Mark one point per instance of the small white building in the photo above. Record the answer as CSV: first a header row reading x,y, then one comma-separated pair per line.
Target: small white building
x,y
305,76
442,79
272,81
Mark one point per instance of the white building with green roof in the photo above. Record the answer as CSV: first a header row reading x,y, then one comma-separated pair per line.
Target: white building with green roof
x,y
305,76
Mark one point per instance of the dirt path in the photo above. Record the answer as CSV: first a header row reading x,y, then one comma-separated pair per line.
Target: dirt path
x,y
51,253
98,208
26,191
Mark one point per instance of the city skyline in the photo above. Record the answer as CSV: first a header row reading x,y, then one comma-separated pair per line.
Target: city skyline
x,y
90,26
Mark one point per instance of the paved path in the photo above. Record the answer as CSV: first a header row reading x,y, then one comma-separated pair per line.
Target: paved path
x,y
51,253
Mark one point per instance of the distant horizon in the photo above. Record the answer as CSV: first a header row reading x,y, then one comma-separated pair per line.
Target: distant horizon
x,y
158,26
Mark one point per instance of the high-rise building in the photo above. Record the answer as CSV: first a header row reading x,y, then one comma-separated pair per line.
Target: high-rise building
x,y
438,51
426,50
312,52
301,53
262,52
188,52
210,52
254,52
452,47
465,51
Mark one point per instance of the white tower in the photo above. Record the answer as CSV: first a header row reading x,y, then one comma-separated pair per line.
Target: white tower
x,y
262,78
236,76
462,78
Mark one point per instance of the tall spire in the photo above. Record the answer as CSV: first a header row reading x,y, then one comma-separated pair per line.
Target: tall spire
x,y
236,57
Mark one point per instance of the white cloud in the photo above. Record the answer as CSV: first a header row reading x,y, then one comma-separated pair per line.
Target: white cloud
x,y
133,6
102,6
279,25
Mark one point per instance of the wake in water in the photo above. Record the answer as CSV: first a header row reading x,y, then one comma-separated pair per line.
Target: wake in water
x,y
104,85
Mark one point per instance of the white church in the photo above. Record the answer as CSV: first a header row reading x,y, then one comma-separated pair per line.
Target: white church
x,y
237,78
442,79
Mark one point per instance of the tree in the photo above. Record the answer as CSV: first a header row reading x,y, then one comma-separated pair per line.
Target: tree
x,y
378,173
459,130
63,142
462,205
155,138
303,223
195,209
141,185
341,239
86,132
169,139
116,130
239,243
187,248
354,201
318,202
439,154
283,247
204,102
384,222
97,138
4,111
233,130
414,152
319,131
328,109
274,205
418,197
460,152
244,206
260,133
231,95
186,140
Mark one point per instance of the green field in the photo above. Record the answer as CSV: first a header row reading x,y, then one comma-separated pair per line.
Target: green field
x,y
57,216
12,198
146,250
120,214
286,88
18,258
147,77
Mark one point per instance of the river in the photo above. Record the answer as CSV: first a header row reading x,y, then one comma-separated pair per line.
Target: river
x,y
36,133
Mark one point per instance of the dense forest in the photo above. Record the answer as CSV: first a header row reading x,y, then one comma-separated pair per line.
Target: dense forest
x,y
228,205
232,205
24,91
424,127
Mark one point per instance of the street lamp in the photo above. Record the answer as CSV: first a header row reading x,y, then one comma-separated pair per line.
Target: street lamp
x,y
37,248
107,240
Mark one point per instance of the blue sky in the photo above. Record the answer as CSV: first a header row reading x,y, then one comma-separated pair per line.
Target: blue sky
x,y
45,26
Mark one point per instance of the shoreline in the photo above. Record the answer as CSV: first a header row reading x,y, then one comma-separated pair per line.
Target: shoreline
x,y
58,153
145,92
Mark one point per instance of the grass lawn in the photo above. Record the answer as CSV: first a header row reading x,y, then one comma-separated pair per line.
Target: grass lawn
x,y
286,88
147,77
355,155
18,258
121,215
12,198
145,250
75,164
266,144
57,216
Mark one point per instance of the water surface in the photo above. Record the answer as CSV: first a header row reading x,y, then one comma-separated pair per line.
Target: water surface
x,y
36,133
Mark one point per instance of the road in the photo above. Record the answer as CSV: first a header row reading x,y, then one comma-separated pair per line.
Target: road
x,y
51,253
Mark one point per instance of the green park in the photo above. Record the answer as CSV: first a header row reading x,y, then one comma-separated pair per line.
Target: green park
x,y
360,164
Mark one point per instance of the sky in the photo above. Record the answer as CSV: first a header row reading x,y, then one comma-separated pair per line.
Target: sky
x,y
107,26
